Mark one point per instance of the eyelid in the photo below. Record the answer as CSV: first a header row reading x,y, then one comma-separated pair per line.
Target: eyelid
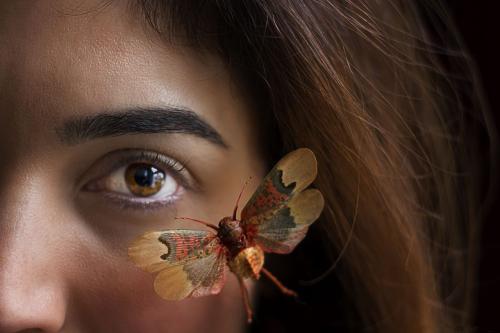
x,y
114,160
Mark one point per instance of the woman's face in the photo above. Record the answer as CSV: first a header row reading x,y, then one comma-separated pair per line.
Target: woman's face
x,y
90,100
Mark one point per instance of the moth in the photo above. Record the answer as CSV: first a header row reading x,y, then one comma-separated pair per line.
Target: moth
x,y
192,263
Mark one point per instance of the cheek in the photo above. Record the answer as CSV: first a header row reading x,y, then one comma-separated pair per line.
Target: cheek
x,y
111,294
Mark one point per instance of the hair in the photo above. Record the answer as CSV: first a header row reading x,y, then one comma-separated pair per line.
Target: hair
x,y
386,97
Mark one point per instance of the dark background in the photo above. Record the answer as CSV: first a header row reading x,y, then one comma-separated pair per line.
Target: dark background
x,y
478,22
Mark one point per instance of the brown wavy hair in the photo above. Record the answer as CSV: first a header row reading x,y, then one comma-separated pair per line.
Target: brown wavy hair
x,y
384,94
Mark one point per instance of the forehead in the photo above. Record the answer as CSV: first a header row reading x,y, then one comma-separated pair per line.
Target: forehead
x,y
47,40
69,57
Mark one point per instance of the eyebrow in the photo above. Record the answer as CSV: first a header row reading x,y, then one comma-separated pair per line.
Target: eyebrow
x,y
137,120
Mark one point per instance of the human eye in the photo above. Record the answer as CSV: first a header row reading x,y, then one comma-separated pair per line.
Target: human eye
x,y
140,179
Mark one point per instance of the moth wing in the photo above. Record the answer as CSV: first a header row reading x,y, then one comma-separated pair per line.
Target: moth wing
x,y
292,174
280,230
147,250
279,213
191,263
192,278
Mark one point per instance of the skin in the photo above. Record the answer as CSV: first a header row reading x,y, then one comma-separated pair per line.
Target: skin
x,y
63,248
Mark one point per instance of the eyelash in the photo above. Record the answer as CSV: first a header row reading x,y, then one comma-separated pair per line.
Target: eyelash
x,y
171,167
153,158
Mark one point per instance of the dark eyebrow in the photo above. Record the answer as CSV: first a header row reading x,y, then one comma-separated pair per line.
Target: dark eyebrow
x,y
137,121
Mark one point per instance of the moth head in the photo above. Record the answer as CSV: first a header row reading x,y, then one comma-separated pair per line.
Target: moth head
x,y
229,227
231,233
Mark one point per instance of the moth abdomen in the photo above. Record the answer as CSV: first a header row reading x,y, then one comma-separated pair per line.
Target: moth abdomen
x,y
247,263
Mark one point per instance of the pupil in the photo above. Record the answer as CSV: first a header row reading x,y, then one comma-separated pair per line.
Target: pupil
x,y
145,176
148,176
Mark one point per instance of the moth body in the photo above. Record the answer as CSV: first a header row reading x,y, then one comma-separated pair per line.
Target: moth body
x,y
243,260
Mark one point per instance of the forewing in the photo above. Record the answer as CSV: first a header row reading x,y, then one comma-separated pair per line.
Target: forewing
x,y
190,262
290,175
280,230
279,213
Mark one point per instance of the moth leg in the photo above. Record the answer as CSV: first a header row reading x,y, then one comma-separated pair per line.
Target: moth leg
x,y
246,301
275,280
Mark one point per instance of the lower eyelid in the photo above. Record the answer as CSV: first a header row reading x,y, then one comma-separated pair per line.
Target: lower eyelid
x,y
135,203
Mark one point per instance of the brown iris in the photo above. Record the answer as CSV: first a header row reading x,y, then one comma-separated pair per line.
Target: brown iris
x,y
144,179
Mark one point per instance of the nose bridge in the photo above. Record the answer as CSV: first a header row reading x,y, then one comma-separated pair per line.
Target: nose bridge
x,y
31,291
21,206
18,200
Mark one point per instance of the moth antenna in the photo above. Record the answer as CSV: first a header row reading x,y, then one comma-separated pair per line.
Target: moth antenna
x,y
278,284
199,221
239,197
